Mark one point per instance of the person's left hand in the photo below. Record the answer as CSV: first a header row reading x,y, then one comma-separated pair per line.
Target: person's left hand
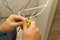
x,y
11,23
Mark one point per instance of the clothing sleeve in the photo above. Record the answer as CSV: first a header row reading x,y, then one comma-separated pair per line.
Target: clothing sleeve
x,y
9,36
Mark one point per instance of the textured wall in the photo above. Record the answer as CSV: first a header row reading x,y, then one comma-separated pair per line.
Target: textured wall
x,y
15,5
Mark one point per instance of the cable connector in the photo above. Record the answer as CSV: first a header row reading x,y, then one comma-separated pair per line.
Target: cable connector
x,y
29,21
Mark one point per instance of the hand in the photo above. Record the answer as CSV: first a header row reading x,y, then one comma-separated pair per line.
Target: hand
x,y
11,23
31,32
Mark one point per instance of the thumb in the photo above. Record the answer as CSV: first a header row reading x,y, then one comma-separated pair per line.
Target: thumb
x,y
18,24
25,25
33,24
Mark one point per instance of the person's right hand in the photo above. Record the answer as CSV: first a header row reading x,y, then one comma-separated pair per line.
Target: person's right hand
x,y
31,32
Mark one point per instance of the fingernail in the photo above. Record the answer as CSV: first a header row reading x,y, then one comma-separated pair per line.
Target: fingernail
x,y
25,19
33,22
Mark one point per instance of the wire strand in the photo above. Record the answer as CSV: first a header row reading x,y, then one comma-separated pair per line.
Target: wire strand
x,y
44,7
41,10
6,5
20,11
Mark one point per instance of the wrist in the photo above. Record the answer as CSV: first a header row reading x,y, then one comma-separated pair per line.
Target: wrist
x,y
1,29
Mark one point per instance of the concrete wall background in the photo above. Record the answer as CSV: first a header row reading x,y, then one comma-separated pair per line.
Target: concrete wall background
x,y
18,4
15,5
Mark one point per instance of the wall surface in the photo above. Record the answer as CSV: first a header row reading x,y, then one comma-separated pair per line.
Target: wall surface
x,y
16,5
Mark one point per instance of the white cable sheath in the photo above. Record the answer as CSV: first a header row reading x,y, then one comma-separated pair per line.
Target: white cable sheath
x,y
44,7
41,10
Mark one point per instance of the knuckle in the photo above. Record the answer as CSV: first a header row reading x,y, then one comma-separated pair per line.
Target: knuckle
x,y
34,28
11,15
37,30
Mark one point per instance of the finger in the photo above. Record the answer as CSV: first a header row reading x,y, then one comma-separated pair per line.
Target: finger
x,y
16,17
25,25
33,24
18,24
36,30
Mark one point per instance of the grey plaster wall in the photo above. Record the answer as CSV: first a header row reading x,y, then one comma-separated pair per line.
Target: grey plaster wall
x,y
15,5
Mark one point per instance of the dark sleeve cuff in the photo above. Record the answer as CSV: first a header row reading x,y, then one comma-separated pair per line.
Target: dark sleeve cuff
x,y
2,34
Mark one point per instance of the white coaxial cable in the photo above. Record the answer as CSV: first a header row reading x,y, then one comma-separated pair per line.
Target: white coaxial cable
x,y
44,7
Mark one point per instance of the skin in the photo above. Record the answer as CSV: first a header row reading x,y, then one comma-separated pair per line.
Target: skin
x,y
11,23
30,32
